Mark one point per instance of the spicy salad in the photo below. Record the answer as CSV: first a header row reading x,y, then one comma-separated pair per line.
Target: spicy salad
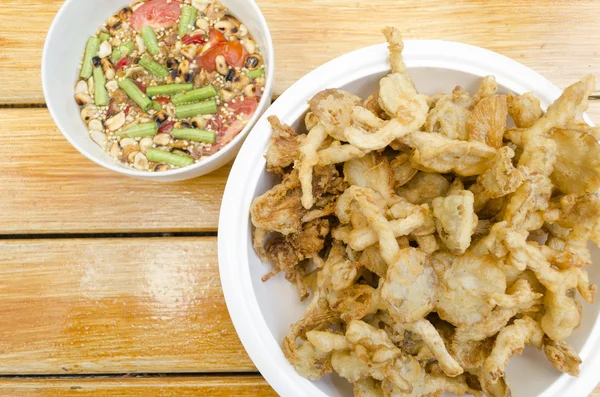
x,y
165,83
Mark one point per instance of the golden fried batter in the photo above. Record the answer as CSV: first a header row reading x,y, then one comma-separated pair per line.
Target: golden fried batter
x,y
280,209
487,121
450,114
411,223
283,147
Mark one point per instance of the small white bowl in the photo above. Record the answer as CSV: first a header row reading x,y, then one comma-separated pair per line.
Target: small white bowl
x,y
63,50
263,312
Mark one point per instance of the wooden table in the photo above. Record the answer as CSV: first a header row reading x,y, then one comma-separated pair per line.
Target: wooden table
x,y
109,285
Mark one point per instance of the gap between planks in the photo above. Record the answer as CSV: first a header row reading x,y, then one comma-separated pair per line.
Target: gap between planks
x,y
42,236
131,375
43,105
594,97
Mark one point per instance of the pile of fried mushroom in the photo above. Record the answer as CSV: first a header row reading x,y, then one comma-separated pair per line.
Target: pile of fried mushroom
x,y
434,241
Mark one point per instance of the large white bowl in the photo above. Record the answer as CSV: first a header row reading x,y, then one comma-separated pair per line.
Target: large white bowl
x,y
262,312
63,50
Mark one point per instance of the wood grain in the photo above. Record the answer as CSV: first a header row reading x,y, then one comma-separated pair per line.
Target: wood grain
x,y
22,34
114,306
238,386
49,187
553,37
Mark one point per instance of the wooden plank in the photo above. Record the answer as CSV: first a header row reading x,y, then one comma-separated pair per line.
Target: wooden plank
x,y
114,306
239,386
306,35
22,34
549,36
49,187
247,386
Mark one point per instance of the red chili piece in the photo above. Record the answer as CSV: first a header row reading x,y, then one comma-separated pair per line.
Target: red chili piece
x,y
140,86
166,127
195,39
123,62
162,100
126,111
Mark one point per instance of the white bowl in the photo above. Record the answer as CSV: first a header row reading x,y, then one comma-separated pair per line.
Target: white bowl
x,y
263,312
63,50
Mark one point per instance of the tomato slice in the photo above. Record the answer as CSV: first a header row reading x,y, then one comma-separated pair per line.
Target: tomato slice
x,y
215,37
231,127
156,13
206,59
247,107
233,51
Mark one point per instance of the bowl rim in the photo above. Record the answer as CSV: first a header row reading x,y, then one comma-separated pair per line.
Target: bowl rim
x,y
115,166
234,224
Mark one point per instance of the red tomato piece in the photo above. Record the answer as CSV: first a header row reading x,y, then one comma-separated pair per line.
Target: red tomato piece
x,y
246,109
215,37
140,86
166,127
195,39
156,13
232,126
207,60
163,100
215,124
233,51
209,151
